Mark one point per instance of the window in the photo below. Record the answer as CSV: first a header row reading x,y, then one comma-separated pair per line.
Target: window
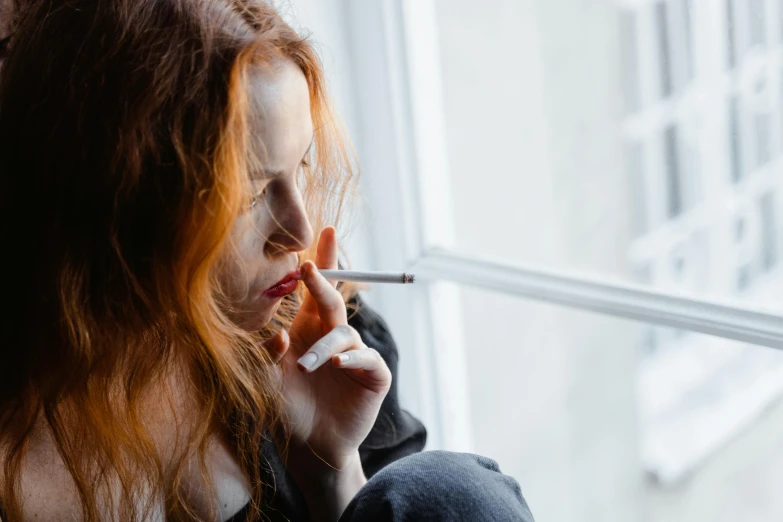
x,y
731,34
635,157
745,253
673,172
686,7
735,140
763,140
664,48
630,59
770,233
757,22
590,202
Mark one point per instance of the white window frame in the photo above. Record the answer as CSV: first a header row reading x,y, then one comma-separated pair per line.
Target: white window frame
x,y
393,50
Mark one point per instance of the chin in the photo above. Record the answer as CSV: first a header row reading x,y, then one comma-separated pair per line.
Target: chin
x,y
253,321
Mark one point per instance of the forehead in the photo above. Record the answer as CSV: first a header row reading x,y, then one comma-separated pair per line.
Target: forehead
x,y
280,122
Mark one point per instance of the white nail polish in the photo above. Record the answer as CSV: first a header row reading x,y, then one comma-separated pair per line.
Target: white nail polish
x,y
344,358
309,360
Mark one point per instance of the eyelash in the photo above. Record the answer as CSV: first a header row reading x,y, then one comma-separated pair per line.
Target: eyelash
x,y
255,199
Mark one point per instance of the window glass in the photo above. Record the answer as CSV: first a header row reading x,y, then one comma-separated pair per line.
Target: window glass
x,y
605,140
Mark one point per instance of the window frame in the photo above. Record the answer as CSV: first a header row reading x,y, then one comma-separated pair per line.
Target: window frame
x,y
394,50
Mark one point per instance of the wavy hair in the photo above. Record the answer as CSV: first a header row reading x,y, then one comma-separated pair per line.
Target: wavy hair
x,y
123,167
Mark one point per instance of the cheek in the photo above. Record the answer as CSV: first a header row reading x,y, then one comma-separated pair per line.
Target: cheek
x,y
239,283
249,239
245,261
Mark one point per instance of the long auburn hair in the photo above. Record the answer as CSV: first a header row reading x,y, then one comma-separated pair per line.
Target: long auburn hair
x,y
123,150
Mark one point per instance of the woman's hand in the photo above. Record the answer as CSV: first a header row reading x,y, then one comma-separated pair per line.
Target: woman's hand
x,y
332,382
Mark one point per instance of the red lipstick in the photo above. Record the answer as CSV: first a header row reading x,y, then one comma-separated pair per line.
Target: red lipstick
x,y
285,286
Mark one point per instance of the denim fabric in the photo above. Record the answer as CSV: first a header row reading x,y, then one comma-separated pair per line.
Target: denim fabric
x,y
439,486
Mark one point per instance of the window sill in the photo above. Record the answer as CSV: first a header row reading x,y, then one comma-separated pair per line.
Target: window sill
x,y
697,395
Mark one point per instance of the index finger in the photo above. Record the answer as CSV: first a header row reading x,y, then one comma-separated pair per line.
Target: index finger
x,y
326,299
325,259
326,252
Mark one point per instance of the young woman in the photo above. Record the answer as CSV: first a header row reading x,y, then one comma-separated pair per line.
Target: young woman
x,y
163,167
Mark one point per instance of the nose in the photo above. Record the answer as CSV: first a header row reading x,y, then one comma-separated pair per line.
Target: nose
x,y
291,229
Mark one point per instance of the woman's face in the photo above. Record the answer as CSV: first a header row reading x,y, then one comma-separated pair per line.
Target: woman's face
x,y
275,227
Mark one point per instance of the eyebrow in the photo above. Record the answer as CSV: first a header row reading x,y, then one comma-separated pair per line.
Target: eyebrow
x,y
281,173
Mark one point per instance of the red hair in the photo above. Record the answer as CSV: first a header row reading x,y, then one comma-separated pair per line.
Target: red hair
x,y
123,167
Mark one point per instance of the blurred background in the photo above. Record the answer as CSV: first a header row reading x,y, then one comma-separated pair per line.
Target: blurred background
x,y
635,140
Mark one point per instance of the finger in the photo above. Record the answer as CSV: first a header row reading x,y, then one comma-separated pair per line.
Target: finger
x,y
326,253
325,258
323,297
277,345
365,365
340,339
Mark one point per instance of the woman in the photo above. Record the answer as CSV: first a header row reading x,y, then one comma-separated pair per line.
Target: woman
x,y
163,165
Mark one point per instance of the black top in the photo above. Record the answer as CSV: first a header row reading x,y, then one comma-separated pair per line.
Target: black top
x,y
396,433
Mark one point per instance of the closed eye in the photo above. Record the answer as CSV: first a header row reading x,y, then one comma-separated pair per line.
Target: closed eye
x,y
258,197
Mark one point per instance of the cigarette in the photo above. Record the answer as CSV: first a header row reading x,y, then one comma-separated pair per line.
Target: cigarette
x,y
368,277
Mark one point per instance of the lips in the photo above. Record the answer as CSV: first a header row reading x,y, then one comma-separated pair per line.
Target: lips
x,y
285,286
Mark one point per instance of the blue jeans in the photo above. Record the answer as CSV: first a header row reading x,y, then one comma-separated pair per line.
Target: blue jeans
x,y
439,486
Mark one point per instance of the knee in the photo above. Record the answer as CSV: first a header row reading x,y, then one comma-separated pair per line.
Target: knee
x,y
439,473
441,485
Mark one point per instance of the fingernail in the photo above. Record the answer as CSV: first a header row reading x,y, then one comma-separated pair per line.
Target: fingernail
x,y
343,358
308,360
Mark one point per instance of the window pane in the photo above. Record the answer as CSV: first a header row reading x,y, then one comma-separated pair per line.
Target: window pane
x,y
731,35
635,159
548,166
763,141
687,12
735,139
671,426
673,173
770,235
664,47
629,35
780,19
757,22
745,252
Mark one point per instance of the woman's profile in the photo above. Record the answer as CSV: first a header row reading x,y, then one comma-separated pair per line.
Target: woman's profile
x,y
171,175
